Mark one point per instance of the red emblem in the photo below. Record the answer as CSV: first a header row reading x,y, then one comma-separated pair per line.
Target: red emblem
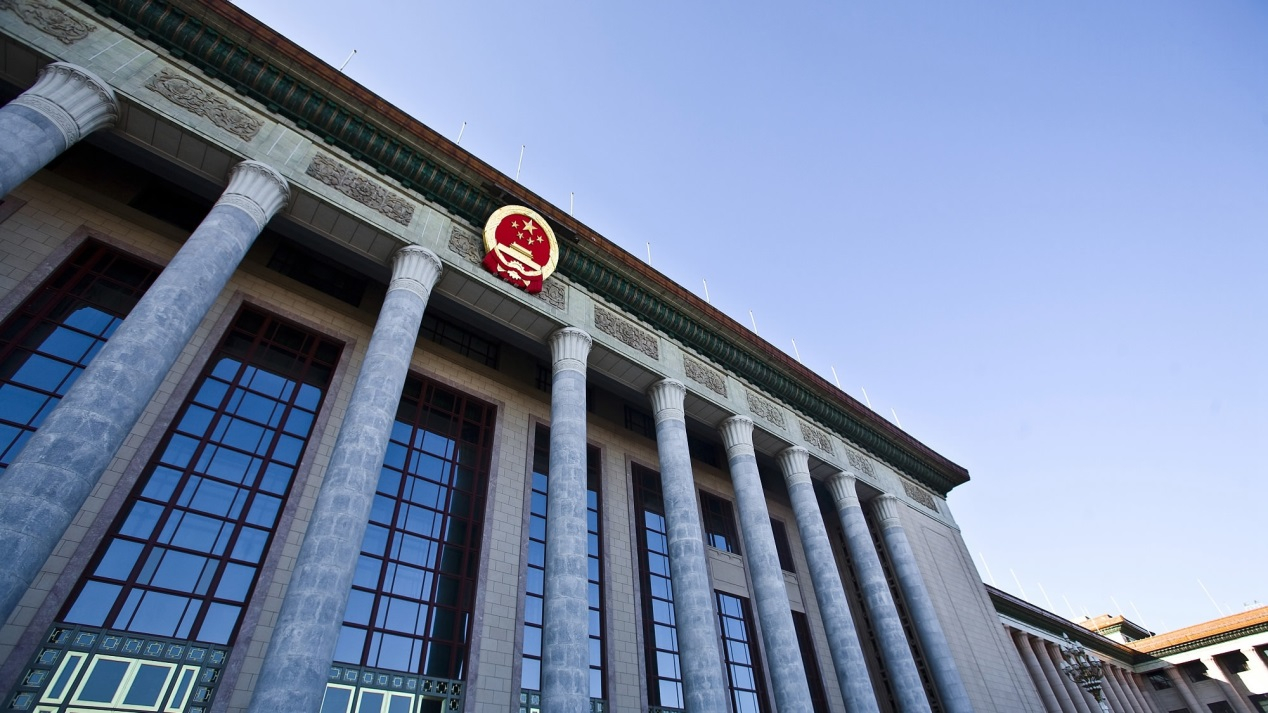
x,y
521,247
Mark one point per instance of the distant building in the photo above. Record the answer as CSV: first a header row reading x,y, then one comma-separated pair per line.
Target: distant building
x,y
1219,666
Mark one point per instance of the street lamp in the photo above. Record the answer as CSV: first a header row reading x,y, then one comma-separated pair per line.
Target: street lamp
x,y
1085,670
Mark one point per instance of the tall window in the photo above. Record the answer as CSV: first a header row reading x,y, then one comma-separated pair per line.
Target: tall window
x,y
743,669
660,631
414,589
531,672
818,696
46,343
719,523
183,559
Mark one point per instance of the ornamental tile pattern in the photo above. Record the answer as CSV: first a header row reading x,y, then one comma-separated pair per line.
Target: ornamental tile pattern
x,y
765,409
360,189
863,463
608,322
185,93
816,438
703,375
920,495
50,20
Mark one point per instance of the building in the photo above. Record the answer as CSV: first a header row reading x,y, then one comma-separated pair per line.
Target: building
x,y
1220,666
293,416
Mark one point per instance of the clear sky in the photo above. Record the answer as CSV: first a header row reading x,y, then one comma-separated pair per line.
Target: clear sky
x,y
1034,231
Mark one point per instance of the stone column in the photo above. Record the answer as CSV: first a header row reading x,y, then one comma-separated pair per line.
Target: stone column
x,y
834,608
65,104
1128,684
1237,693
1121,701
1109,689
924,618
1057,681
295,667
704,683
1082,701
1145,690
566,609
48,482
877,597
1182,686
1022,641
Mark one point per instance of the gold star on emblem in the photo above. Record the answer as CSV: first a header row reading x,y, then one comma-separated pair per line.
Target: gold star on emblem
x,y
515,224
528,225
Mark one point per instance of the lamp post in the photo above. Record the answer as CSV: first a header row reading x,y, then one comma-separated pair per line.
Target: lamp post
x,y
1085,670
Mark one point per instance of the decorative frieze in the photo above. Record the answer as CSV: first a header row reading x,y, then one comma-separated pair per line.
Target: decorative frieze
x,y
861,462
609,323
50,20
816,438
467,244
186,93
765,409
703,375
920,495
349,182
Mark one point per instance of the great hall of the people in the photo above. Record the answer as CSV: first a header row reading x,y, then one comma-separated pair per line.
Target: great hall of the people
x,y
304,408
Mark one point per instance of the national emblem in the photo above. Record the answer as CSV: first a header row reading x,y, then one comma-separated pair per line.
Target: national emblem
x,y
521,247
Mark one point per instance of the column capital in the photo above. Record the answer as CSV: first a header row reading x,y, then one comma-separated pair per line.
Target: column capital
x,y
415,268
257,189
794,461
667,396
77,101
886,508
569,348
843,491
737,436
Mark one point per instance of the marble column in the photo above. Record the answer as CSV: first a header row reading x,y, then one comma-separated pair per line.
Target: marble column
x,y
1109,690
924,618
878,600
49,480
566,609
770,593
293,676
1057,681
704,680
1083,703
1022,641
834,607
65,104
1236,692
1128,684
1181,684
1145,690
1119,699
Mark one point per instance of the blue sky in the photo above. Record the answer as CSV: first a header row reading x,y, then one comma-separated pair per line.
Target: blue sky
x,y
1036,233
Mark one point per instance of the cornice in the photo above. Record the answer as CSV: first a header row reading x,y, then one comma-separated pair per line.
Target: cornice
x,y
230,45
1027,613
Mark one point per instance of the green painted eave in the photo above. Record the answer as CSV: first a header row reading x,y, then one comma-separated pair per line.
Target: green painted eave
x,y
1027,613
257,63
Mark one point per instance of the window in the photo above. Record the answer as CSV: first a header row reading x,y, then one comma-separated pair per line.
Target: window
x,y
1158,680
1195,671
660,631
318,272
782,547
639,422
460,339
1234,662
743,669
530,672
818,696
414,588
47,341
1220,707
1260,700
719,523
183,559
702,450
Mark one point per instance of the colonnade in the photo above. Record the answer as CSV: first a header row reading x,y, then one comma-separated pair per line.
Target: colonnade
x,y
1122,689
49,481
